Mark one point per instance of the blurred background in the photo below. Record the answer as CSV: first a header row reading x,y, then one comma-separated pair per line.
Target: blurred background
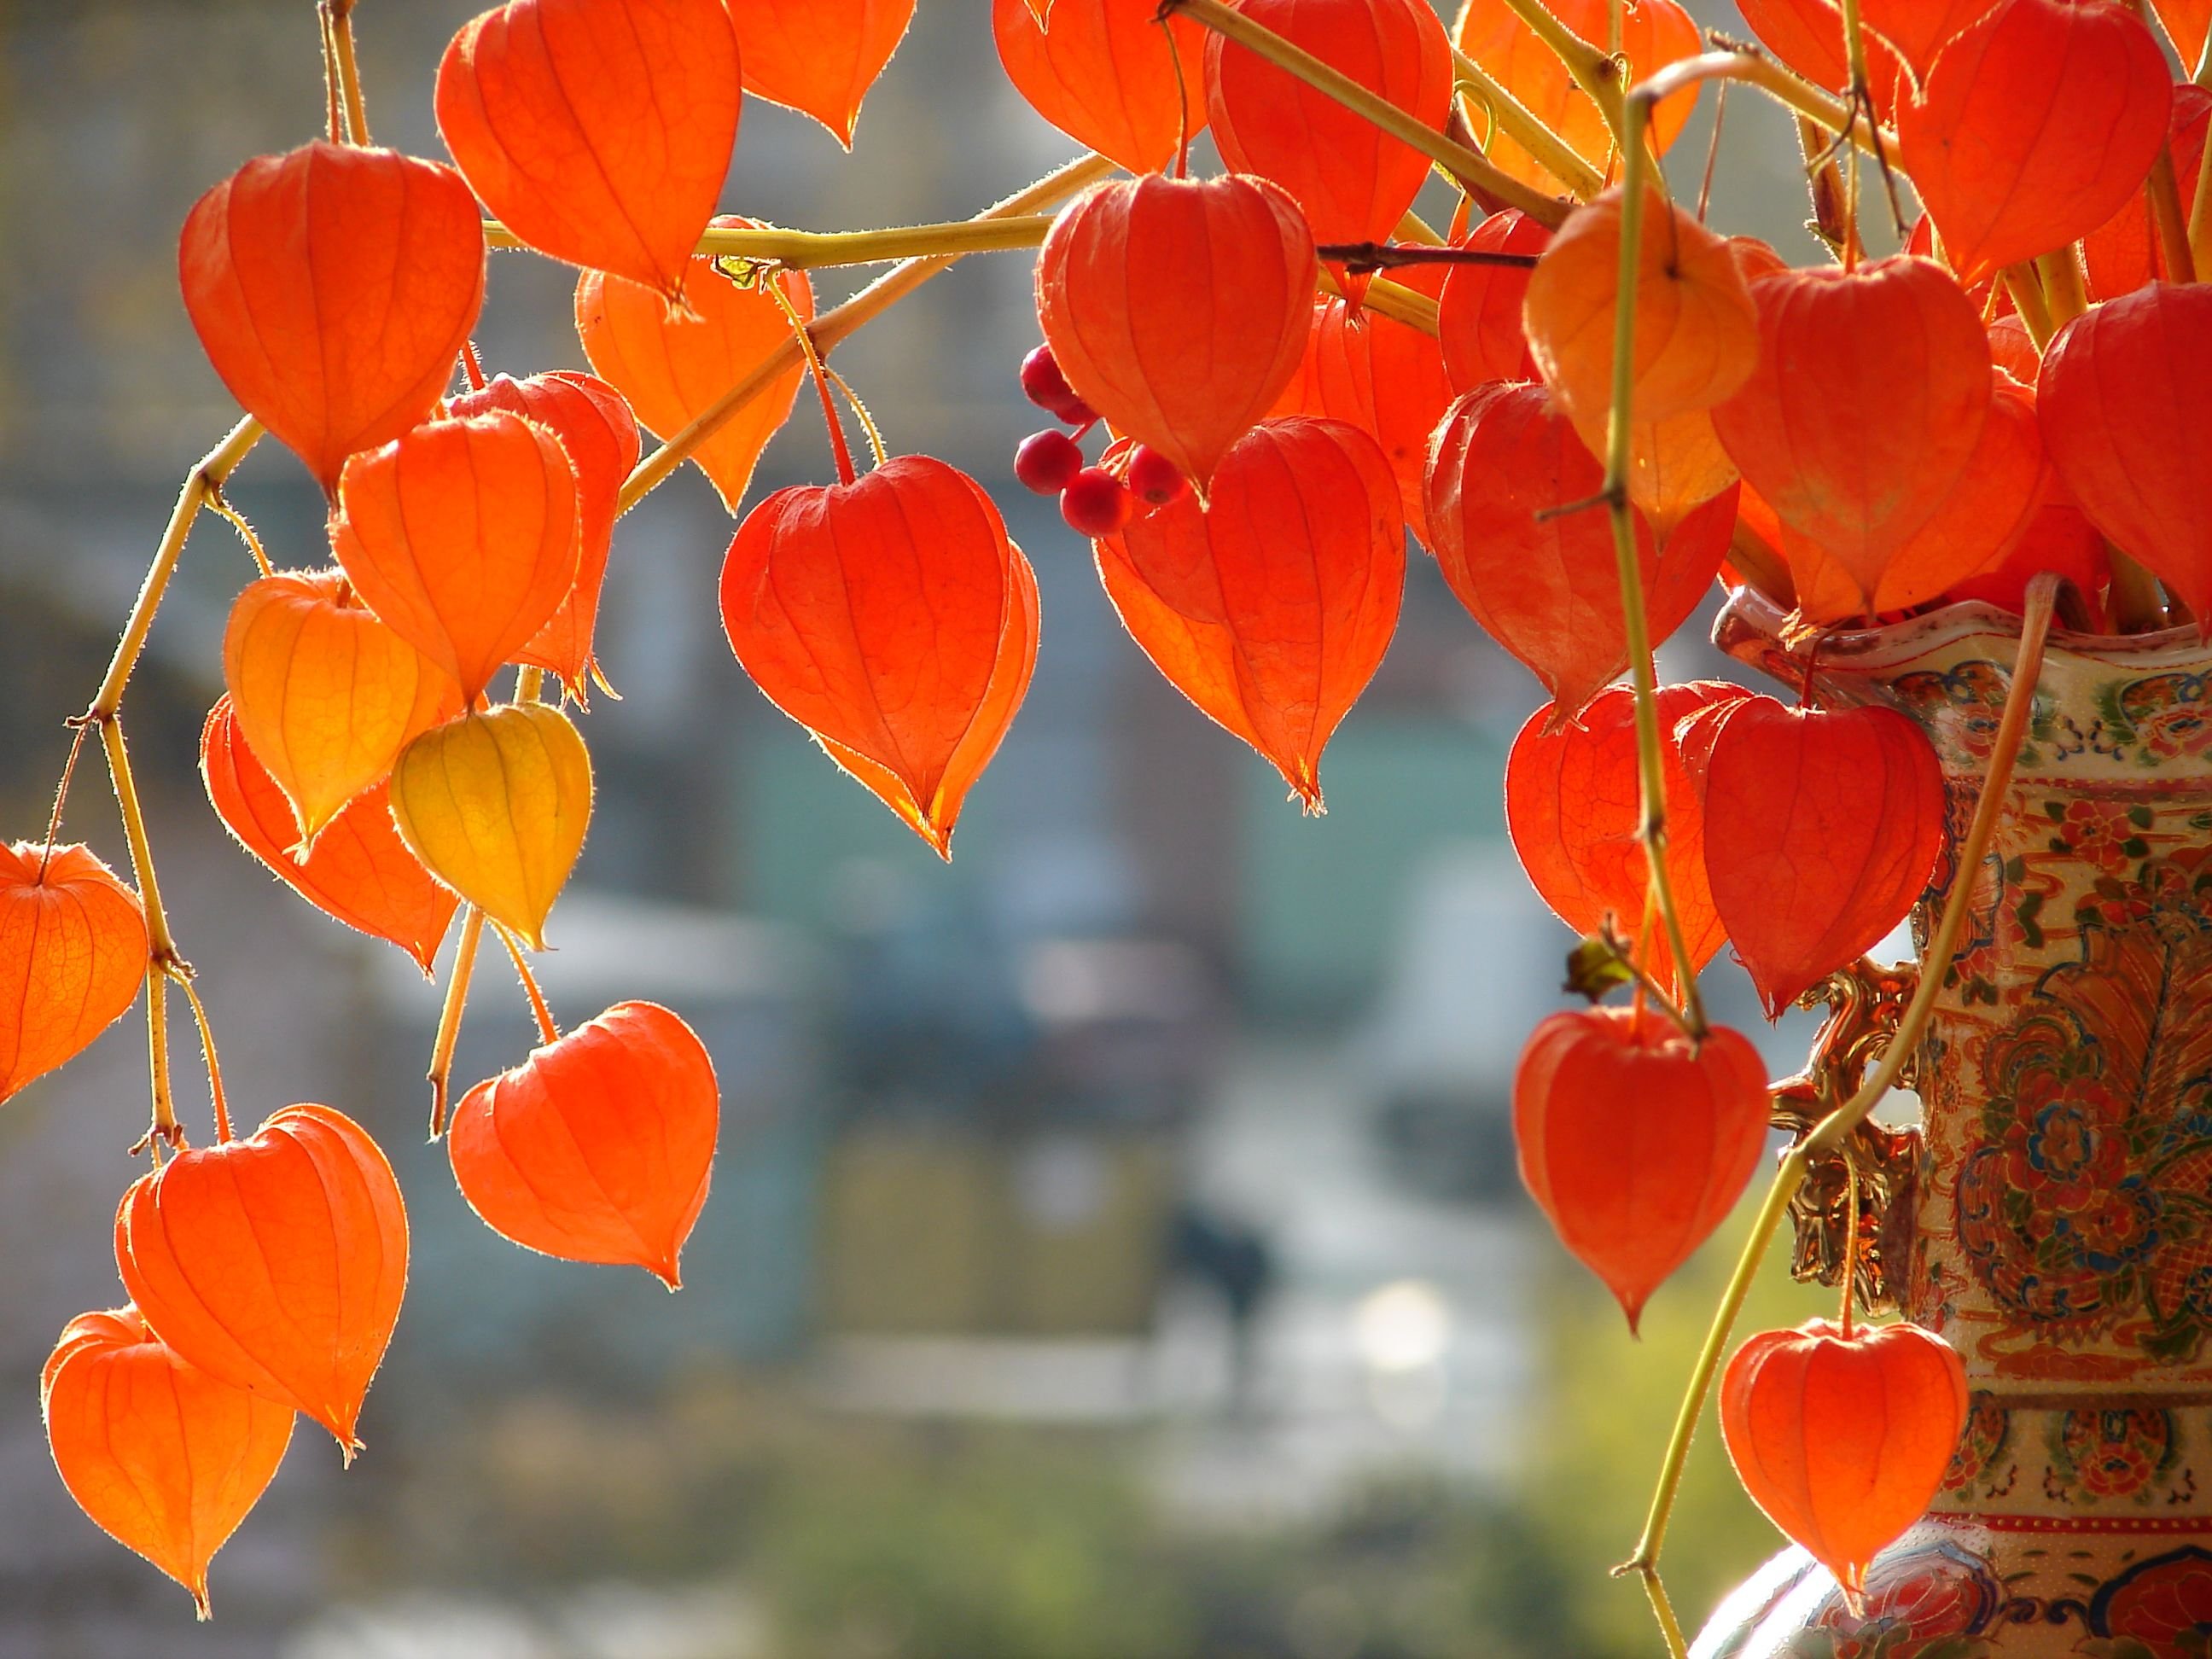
x,y
1114,1251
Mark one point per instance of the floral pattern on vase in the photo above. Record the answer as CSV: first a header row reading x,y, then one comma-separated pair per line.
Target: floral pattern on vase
x,y
2062,1232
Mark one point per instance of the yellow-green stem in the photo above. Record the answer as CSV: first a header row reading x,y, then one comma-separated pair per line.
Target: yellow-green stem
x,y
1470,166
161,947
440,1074
215,466
340,12
1828,1136
220,1101
2168,219
1619,427
1510,116
810,250
1805,99
548,1032
833,326
2063,290
1855,56
2200,203
1591,67
2026,288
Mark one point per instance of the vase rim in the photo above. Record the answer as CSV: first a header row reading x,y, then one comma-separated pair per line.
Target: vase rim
x,y
1750,612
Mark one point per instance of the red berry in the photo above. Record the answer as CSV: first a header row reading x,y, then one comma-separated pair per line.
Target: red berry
x,y
1154,477
1041,381
1095,502
1048,462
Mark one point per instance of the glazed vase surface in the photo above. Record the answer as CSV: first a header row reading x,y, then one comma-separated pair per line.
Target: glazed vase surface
x,y
2061,1225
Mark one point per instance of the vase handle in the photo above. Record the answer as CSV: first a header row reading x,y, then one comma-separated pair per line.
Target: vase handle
x,y
1865,1002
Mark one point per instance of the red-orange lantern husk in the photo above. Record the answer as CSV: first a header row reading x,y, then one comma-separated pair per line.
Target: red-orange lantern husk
x,y
1823,826
1635,1142
2058,538
1548,588
1808,36
275,1262
72,956
1271,608
1991,506
893,618
2125,400
1097,70
1843,1440
1383,377
598,131
1574,799
1178,308
333,289
1478,308
818,57
358,871
674,366
2126,252
165,1458
1856,450
599,1146
1354,182
463,536
2036,125
596,428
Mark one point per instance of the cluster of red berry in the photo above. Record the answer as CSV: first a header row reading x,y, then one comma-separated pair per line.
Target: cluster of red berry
x,y
1096,500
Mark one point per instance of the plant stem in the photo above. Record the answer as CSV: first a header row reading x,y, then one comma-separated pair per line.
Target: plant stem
x,y
161,946
1859,98
1510,116
1828,1135
339,13
2168,220
440,1075
1470,166
213,468
833,326
220,1101
811,250
547,1030
1592,69
2063,291
1619,425
1396,302
1794,93
838,449
2026,290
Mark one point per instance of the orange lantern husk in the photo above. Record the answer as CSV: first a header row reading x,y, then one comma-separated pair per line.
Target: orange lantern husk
x,y
464,538
1272,606
275,1262
673,367
358,871
1096,69
73,953
598,131
1574,802
598,1147
165,1459
1178,308
1544,583
1842,1438
334,288
1822,829
893,617
599,433
818,57
1635,1141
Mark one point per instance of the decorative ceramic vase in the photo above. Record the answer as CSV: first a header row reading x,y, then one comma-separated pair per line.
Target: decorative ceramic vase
x,y
2057,1201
